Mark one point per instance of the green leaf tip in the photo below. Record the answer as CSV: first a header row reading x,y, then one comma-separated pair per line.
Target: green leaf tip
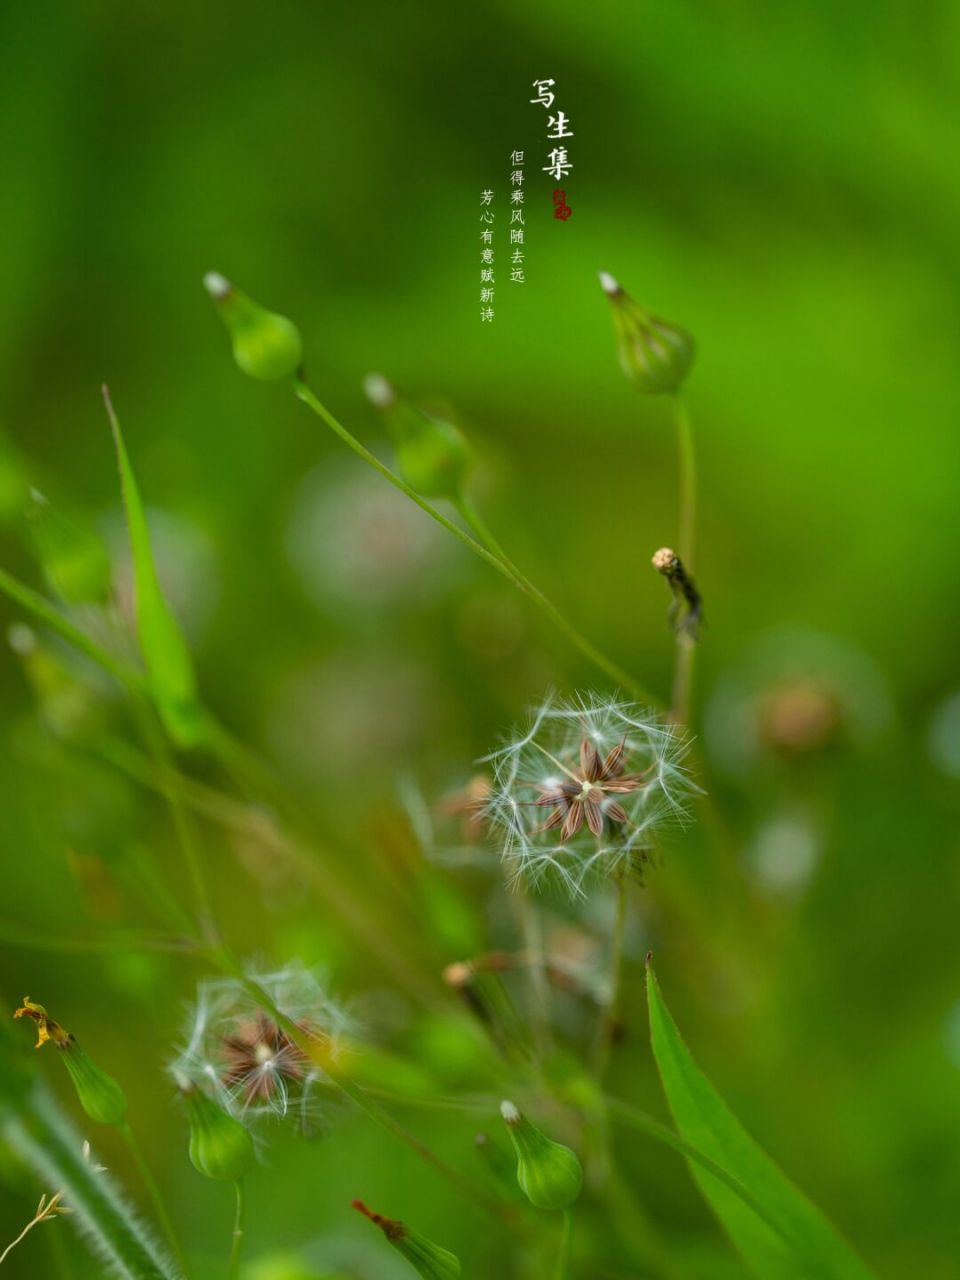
x,y
794,1241
163,646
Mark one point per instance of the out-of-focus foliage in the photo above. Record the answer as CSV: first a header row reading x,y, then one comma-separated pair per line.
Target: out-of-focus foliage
x,y
783,181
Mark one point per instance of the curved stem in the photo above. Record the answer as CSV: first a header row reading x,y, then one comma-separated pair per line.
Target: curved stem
x,y
586,647
491,552
239,1223
153,1191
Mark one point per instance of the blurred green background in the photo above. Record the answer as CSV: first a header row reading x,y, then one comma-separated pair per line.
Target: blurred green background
x,y
784,181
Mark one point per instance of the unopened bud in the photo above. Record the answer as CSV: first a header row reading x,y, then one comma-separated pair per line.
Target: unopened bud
x,y
654,354
550,1175
432,455
265,345
100,1095
432,1262
220,1147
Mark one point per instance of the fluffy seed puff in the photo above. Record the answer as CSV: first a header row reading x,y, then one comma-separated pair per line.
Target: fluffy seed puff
x,y
584,790
236,1053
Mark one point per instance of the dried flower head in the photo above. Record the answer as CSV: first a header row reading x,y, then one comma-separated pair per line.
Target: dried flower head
x,y
584,790
236,1053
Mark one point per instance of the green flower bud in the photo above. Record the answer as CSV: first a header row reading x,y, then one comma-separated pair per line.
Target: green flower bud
x,y
220,1147
432,455
427,1258
74,560
265,345
654,354
549,1174
100,1095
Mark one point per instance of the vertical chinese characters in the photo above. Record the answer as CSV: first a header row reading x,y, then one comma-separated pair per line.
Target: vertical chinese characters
x,y
487,263
517,219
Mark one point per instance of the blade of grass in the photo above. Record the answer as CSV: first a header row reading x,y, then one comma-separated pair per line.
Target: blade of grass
x,y
165,652
790,1239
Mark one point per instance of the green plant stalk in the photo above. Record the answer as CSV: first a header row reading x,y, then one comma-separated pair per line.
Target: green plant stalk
x,y
610,1013
33,939
680,702
562,1268
183,826
239,1226
531,929
491,553
153,1190
616,673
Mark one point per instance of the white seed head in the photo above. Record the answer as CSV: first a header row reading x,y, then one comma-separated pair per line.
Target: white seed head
x,y
540,783
509,1112
379,391
608,284
216,285
233,1050
22,639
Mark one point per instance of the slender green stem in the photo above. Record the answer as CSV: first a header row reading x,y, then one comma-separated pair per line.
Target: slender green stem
x,y
239,1225
37,939
182,824
153,1190
566,1239
491,553
616,673
680,702
531,929
609,1021
687,478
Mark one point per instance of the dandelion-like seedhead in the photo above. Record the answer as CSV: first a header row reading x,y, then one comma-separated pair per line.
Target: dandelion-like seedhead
x,y
584,791
234,1050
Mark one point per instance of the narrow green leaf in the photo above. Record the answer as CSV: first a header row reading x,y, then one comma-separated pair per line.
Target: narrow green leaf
x,y
805,1245
165,653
